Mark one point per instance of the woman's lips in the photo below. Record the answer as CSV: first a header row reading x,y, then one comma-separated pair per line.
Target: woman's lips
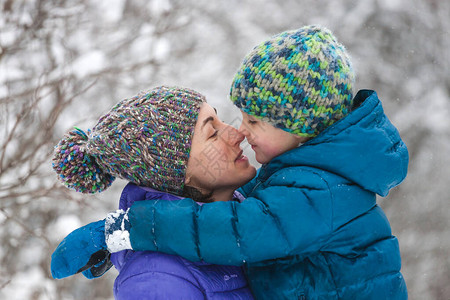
x,y
241,157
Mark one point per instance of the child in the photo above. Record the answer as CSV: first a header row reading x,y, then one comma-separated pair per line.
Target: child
x,y
310,227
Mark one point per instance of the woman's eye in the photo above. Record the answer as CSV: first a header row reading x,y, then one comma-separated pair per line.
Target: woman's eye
x,y
252,122
214,134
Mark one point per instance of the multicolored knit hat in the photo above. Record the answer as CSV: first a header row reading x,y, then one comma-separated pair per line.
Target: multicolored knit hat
x,y
145,139
299,81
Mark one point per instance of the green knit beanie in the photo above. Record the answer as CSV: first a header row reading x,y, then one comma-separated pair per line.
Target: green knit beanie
x,y
300,81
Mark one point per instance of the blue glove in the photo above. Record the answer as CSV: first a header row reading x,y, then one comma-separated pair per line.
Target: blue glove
x,y
82,249
88,249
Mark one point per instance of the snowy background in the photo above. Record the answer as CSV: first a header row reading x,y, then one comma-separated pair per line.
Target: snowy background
x,y
64,63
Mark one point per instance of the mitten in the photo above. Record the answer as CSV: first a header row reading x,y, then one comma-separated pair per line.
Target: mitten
x,y
85,249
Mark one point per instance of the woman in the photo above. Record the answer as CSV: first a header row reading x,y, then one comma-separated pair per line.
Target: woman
x,y
170,144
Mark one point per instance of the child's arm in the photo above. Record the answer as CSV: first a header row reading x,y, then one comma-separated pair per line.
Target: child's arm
x,y
285,221
279,221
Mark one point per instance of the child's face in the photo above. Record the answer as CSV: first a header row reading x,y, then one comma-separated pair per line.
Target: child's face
x,y
216,161
266,140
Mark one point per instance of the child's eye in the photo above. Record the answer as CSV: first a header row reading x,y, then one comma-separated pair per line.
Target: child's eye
x,y
252,122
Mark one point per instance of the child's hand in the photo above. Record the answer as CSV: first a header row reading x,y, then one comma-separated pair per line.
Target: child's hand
x,y
99,269
83,250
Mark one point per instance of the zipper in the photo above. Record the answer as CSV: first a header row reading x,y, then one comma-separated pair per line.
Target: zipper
x,y
259,180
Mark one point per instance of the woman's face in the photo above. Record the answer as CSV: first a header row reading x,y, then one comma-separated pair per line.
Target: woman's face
x,y
216,161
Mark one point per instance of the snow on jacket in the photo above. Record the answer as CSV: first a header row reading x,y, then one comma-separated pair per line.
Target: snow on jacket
x,y
310,227
152,275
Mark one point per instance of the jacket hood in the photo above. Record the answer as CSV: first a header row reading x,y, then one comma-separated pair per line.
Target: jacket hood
x,y
364,147
133,192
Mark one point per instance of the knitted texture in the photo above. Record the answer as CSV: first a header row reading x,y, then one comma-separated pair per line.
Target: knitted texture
x,y
145,139
299,81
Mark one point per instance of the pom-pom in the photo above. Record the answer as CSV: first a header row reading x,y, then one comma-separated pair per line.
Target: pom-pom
x,y
76,168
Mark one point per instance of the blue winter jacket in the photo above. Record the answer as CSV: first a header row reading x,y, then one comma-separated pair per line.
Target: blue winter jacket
x,y
152,275
310,227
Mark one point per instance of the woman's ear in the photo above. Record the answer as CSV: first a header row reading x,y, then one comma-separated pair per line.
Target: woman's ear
x,y
187,180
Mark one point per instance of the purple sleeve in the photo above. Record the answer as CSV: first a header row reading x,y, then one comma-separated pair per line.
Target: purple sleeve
x,y
156,285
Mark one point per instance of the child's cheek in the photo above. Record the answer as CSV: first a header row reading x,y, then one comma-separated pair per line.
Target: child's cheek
x,y
268,152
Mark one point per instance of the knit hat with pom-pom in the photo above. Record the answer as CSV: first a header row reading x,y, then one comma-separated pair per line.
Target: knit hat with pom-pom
x,y
145,139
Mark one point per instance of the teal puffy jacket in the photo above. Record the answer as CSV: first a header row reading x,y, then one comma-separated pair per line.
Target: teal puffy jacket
x,y
310,227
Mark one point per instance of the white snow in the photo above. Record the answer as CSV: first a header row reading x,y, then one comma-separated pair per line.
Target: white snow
x,y
111,10
120,239
64,225
399,48
391,4
88,63
159,7
26,284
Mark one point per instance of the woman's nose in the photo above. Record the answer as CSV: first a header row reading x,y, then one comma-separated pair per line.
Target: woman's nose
x,y
234,136
243,129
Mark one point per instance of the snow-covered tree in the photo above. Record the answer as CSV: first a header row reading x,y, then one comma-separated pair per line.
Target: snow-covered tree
x,y
64,63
